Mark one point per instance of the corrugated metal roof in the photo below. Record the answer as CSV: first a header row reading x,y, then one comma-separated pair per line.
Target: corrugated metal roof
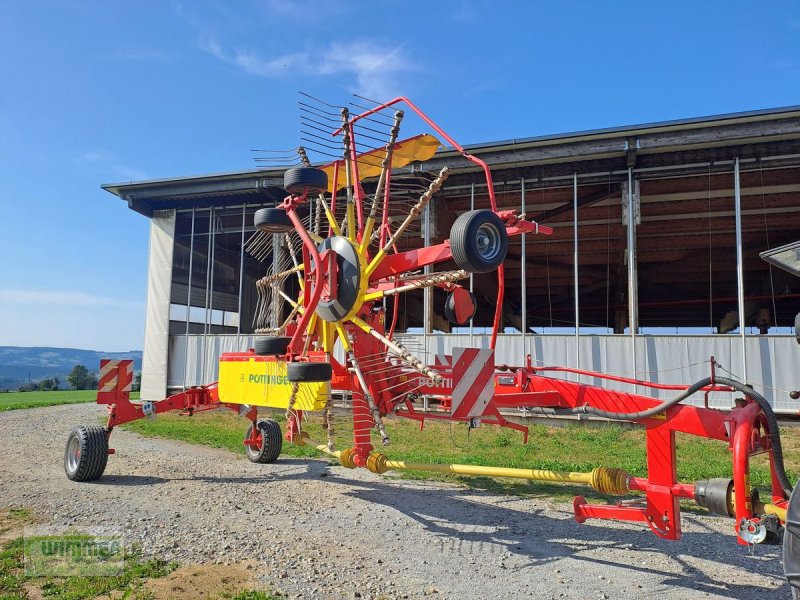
x,y
623,131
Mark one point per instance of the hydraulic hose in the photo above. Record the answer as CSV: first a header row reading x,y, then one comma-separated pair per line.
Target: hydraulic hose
x,y
772,421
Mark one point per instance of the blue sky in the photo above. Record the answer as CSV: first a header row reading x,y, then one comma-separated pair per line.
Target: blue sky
x,y
94,92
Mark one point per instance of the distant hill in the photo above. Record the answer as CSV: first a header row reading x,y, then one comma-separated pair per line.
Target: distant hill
x,y
18,364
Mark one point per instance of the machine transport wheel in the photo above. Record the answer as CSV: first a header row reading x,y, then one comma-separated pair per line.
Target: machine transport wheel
x,y
301,179
86,454
271,345
272,220
797,327
309,372
271,442
791,543
479,241
452,312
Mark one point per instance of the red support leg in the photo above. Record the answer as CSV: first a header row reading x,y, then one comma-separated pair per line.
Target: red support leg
x,y
741,448
663,507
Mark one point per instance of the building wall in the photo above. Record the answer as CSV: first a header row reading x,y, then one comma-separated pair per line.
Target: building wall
x,y
156,331
667,359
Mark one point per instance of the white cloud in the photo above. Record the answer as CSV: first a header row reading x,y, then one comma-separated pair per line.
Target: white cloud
x,y
128,173
75,299
254,64
100,159
374,68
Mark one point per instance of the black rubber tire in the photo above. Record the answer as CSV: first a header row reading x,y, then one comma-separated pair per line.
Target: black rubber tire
x,y
797,327
271,345
271,442
272,220
91,444
299,180
791,543
450,309
464,237
309,372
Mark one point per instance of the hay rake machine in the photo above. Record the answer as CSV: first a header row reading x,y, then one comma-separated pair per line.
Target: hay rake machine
x,y
336,266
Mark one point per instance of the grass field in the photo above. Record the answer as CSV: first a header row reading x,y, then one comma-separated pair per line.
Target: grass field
x,y
132,582
570,448
17,400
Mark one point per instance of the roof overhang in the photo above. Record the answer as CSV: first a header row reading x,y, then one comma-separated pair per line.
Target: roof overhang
x,y
696,134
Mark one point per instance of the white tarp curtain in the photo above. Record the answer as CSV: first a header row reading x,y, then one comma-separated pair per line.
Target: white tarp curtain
x,y
772,361
156,329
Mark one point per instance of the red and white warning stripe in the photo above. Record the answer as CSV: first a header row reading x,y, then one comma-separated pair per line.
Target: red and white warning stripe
x,y
473,381
115,375
443,360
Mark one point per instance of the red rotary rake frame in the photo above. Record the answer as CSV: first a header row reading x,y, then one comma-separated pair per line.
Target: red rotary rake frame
x,y
333,335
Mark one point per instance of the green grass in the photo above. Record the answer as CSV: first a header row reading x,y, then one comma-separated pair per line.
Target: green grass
x,y
13,579
569,448
129,584
19,400
255,595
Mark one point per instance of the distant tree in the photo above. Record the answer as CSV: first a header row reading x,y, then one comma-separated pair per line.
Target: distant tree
x,y
48,384
80,378
28,387
137,382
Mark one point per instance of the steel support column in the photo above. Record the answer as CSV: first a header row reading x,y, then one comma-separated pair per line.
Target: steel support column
x,y
188,303
633,300
523,283
427,293
241,272
737,197
575,270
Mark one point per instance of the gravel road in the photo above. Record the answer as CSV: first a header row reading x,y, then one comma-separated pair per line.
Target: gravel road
x,y
313,530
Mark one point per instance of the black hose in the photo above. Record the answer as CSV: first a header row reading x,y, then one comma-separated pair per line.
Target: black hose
x,y
772,421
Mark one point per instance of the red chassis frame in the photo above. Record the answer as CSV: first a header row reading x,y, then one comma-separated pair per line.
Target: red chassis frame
x,y
744,428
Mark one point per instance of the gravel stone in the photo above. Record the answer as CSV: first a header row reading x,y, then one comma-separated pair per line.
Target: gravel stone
x,y
354,534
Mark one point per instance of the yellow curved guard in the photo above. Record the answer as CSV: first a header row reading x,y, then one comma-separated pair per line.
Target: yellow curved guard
x,y
418,148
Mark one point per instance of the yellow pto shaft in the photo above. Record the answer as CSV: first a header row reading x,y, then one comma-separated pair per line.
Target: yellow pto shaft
x,y
603,479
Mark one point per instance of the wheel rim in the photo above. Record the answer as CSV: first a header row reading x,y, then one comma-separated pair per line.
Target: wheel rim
x,y
73,454
488,241
256,450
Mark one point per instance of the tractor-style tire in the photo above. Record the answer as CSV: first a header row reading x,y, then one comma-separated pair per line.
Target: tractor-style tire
x,y
86,454
791,543
272,220
271,345
450,309
309,372
271,442
479,241
797,327
299,180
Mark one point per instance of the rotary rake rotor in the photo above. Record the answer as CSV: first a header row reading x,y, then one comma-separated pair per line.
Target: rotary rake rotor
x,y
343,226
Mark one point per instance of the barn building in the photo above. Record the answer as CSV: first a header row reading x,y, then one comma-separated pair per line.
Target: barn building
x,y
652,268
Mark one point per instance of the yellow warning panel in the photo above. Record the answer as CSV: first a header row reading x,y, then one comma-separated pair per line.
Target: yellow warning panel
x,y
416,149
264,383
